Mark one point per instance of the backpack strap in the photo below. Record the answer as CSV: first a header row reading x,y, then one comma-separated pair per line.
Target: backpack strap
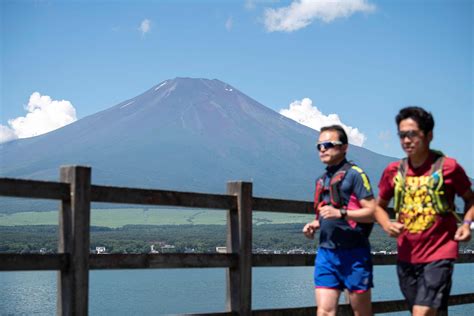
x,y
399,184
403,167
442,205
335,185
318,193
438,164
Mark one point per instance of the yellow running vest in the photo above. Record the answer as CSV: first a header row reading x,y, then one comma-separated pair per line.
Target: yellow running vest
x,y
417,200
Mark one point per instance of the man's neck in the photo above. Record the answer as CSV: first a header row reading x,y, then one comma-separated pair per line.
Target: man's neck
x,y
418,160
336,163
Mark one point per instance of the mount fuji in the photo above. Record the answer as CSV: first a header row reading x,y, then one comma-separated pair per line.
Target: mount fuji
x,y
183,134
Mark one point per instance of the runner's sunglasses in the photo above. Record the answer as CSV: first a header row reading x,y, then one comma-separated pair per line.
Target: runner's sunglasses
x,y
328,145
410,134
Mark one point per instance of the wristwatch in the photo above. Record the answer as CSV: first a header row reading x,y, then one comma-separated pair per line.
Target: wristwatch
x,y
343,212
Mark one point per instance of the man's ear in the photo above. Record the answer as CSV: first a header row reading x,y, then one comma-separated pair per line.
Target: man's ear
x,y
430,136
345,147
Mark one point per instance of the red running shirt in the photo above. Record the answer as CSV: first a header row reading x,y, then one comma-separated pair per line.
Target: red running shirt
x,y
437,242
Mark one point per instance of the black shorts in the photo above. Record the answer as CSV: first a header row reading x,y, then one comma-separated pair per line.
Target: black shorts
x,y
426,284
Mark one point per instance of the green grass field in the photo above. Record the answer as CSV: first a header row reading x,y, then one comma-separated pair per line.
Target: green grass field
x,y
132,216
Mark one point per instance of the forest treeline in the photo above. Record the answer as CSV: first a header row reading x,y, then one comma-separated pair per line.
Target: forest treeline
x,y
184,238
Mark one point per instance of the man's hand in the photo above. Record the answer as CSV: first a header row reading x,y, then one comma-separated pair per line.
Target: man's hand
x,y
463,233
329,212
393,229
310,228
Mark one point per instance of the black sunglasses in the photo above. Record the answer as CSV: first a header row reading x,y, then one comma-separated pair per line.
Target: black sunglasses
x,y
410,134
329,144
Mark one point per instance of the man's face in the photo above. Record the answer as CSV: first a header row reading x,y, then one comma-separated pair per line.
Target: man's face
x,y
413,140
335,154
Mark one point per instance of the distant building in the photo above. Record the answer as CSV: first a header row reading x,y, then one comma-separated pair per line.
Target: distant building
x,y
153,250
221,249
298,251
189,250
99,250
168,248
263,251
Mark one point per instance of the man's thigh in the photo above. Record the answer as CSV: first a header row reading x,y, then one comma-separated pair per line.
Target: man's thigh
x,y
326,271
426,284
327,301
361,303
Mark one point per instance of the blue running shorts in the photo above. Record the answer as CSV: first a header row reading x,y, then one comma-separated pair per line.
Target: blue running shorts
x,y
344,268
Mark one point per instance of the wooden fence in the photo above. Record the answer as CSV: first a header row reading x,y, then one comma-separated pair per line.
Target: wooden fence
x,y
73,260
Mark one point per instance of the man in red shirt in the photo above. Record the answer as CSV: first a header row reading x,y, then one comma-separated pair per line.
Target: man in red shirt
x,y
423,186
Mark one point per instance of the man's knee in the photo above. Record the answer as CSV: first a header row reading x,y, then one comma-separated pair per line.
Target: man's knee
x,y
326,310
419,310
361,303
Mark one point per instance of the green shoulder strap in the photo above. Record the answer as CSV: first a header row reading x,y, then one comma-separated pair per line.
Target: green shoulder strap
x,y
399,184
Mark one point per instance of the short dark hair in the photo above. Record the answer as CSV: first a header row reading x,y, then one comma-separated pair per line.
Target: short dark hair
x,y
423,118
340,132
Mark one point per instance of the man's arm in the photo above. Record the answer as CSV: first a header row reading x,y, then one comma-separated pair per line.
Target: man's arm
x,y
393,229
464,231
363,215
310,228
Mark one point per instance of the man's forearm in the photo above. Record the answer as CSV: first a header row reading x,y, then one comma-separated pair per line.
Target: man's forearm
x,y
362,215
381,216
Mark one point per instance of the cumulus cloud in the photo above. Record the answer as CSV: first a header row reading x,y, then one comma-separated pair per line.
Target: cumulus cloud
x,y
301,13
6,134
44,115
305,113
145,27
229,23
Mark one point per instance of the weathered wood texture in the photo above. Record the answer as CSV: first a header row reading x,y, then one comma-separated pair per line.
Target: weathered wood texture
x,y
33,189
33,262
74,232
286,260
282,206
170,260
74,260
283,260
239,241
161,197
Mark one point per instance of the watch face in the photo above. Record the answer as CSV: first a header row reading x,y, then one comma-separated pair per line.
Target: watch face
x,y
343,212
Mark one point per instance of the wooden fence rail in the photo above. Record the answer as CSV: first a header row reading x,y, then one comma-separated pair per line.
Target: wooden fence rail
x,y
74,260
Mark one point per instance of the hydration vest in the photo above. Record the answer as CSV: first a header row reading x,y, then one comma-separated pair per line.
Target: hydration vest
x,y
334,188
417,200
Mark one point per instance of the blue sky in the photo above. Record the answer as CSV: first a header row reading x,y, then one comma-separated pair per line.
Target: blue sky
x,y
360,59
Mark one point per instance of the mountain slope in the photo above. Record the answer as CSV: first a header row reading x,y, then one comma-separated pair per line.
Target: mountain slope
x,y
184,134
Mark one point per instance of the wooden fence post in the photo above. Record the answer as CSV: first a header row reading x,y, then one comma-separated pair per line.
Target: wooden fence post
x,y
74,230
239,241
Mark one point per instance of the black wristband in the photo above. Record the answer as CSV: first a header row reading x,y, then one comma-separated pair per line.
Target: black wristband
x,y
343,212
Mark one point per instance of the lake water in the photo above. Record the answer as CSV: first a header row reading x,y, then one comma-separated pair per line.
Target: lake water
x,y
175,291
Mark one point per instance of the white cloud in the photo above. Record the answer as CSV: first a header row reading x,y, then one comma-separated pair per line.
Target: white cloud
x,y
44,115
301,13
229,23
145,26
6,134
305,113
